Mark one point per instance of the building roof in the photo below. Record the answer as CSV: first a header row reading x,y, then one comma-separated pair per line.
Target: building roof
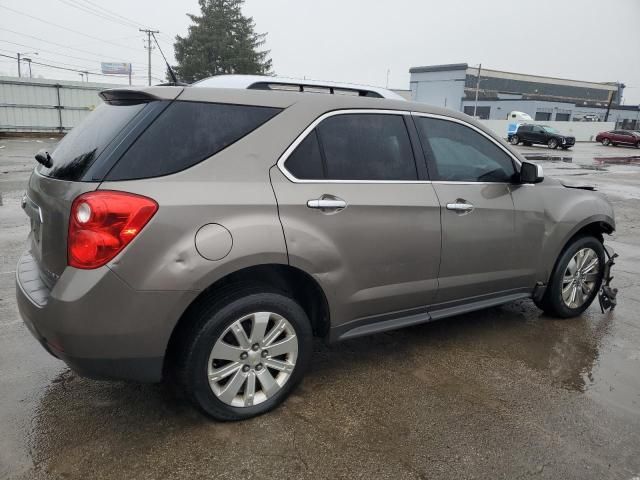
x,y
439,68
486,72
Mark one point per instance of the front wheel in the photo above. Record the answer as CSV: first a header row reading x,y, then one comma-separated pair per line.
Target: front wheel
x,y
637,144
515,140
552,143
576,278
245,354
606,142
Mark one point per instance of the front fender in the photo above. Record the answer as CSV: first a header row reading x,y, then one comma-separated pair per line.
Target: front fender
x,y
569,215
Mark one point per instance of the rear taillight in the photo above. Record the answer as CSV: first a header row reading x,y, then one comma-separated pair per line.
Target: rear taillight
x,y
102,223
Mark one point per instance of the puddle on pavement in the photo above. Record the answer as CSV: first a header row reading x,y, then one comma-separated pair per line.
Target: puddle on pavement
x,y
634,160
549,158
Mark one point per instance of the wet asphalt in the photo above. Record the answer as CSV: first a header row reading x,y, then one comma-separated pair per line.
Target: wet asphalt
x,y
501,393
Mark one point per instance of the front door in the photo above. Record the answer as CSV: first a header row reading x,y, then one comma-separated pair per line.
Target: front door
x,y
358,214
472,177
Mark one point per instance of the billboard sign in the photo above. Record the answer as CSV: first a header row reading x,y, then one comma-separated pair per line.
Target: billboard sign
x,y
109,68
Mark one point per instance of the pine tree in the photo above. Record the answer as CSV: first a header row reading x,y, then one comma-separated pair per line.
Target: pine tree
x,y
221,40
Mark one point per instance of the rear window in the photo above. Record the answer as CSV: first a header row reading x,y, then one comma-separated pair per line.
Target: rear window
x,y
79,148
185,134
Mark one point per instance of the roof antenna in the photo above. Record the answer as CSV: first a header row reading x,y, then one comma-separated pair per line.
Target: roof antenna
x,y
171,72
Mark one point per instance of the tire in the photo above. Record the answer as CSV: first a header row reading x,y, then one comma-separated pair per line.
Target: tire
x,y
637,144
553,302
214,325
515,140
606,142
552,143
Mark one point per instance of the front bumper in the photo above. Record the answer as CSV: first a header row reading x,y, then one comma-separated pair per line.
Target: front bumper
x,y
97,324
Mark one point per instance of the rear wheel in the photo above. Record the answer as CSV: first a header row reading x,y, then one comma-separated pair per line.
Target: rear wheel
x,y
552,143
638,144
576,278
515,140
245,354
606,142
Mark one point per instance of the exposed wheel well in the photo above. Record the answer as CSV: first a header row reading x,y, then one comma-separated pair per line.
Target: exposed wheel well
x,y
301,286
595,229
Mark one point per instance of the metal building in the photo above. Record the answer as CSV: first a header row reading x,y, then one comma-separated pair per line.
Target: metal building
x,y
498,93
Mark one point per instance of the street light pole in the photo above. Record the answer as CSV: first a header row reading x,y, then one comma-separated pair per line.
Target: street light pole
x,y
21,57
28,60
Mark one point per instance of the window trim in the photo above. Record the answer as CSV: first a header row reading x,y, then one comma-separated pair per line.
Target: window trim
x,y
514,159
287,153
283,158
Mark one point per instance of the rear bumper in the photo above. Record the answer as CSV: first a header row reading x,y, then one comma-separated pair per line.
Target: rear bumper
x,y
97,324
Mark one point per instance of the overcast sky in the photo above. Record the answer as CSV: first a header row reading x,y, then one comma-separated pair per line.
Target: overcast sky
x,y
348,40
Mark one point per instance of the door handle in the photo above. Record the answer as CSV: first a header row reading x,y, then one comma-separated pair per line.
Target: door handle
x,y
327,203
460,207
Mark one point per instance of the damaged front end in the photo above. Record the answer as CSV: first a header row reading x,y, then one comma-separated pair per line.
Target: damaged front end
x,y
607,295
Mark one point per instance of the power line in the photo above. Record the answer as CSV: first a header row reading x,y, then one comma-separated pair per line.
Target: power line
x,y
92,11
67,28
59,68
51,51
59,44
114,14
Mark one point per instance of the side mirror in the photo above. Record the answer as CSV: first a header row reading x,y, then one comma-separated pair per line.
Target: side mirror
x,y
531,173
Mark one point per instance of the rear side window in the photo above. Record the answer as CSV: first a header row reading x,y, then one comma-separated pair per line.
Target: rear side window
x,y
185,134
460,154
79,148
305,163
355,147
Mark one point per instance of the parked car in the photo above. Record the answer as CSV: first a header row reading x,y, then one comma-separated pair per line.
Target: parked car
x,y
541,134
204,235
619,137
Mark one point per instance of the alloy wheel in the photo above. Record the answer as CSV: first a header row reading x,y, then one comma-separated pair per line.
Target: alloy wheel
x,y
580,278
252,359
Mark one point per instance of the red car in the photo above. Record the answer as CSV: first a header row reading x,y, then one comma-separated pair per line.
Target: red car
x,y
619,137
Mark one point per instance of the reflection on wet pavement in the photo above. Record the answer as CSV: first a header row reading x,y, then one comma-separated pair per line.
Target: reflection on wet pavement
x,y
500,393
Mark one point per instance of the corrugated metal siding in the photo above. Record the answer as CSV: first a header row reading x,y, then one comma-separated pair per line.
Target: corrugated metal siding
x,y
38,105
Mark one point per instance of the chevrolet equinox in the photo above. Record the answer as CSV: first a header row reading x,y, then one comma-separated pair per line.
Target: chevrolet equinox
x,y
206,235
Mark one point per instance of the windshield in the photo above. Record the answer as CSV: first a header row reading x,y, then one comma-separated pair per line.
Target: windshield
x,y
550,129
84,143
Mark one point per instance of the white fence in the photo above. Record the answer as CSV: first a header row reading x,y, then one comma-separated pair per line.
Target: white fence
x,y
583,131
39,105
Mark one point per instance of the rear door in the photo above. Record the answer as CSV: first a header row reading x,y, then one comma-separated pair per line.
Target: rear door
x,y
359,214
471,175
524,132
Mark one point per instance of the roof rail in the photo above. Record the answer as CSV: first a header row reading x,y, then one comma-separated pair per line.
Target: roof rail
x,y
263,82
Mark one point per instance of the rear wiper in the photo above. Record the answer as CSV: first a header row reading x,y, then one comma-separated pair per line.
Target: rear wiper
x,y
44,158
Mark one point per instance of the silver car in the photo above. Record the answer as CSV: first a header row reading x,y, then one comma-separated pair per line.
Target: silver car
x,y
205,235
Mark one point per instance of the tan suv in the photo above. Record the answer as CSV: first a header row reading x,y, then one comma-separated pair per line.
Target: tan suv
x,y
206,234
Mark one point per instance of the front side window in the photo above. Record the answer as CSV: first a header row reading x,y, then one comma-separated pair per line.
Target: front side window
x,y
458,153
356,146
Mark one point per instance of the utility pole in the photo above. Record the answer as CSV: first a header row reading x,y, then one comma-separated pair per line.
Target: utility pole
x,y
19,73
149,33
388,73
475,106
86,75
